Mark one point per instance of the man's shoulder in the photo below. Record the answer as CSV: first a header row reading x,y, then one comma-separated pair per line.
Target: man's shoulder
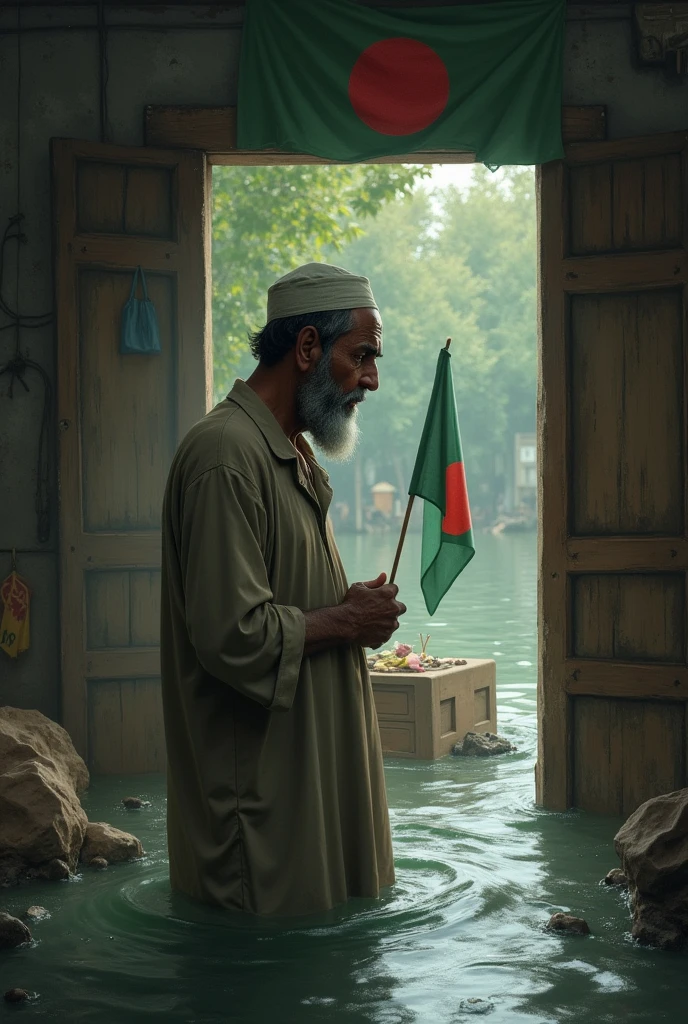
x,y
227,438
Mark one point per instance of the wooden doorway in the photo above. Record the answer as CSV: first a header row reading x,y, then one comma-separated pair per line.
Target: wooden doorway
x,y
122,417
120,420
612,419
613,676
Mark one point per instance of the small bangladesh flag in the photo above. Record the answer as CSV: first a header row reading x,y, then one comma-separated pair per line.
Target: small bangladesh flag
x,y
439,478
350,82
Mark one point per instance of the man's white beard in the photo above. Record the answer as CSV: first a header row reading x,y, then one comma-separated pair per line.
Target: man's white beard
x,y
323,407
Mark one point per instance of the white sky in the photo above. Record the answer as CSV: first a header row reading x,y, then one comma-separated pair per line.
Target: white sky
x,y
448,174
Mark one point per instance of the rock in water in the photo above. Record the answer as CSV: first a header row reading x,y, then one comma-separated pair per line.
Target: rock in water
x,y
567,925
479,744
105,841
132,803
479,1007
40,773
54,871
42,819
13,932
98,862
16,995
36,913
615,877
653,848
23,734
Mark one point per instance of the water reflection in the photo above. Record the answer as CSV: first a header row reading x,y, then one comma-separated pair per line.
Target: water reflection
x,y
479,871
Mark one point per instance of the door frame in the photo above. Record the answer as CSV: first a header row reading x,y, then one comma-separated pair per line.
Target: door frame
x,y
211,131
81,551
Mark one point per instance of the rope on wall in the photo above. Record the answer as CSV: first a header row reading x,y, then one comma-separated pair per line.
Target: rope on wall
x,y
19,364
103,73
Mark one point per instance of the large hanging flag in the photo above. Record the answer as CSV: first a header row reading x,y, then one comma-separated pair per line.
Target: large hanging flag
x,y
349,82
439,478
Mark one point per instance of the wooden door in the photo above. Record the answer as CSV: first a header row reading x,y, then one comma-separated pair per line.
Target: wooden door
x,y
612,408
120,420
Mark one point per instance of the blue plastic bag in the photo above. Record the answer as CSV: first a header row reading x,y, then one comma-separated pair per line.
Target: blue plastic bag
x,y
139,333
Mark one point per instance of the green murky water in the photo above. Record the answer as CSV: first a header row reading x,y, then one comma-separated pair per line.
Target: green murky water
x,y
479,868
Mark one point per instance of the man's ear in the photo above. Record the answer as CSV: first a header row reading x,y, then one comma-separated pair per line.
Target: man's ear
x,y
308,349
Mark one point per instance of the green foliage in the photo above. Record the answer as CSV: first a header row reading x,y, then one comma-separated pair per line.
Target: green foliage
x,y
268,220
453,262
493,227
459,264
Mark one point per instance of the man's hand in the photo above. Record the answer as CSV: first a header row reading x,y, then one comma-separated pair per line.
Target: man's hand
x,y
374,610
368,616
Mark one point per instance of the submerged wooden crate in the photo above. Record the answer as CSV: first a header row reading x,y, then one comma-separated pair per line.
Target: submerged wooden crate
x,y
424,714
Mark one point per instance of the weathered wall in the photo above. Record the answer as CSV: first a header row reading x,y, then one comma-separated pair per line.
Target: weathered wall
x,y
49,86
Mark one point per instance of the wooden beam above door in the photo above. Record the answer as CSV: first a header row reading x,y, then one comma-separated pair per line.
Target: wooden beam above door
x,y
213,129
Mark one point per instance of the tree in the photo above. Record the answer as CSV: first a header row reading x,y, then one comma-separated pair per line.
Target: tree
x,y
268,220
424,297
451,262
493,226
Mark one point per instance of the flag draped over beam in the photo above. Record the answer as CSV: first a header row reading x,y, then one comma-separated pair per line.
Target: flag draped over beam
x,y
439,478
348,82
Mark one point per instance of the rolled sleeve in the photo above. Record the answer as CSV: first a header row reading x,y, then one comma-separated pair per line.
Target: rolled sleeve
x,y
293,626
239,635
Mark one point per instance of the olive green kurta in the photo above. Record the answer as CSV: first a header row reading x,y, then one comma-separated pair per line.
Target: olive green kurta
x,y
276,794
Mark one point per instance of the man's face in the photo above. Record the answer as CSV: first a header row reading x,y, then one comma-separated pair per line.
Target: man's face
x,y
328,398
354,354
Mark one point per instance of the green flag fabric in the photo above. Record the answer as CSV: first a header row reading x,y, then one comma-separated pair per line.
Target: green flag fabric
x,y
439,478
348,82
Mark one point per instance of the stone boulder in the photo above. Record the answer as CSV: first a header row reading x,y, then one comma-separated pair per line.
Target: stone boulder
x,y
13,932
482,744
109,843
16,995
36,913
653,848
566,924
24,734
43,822
616,877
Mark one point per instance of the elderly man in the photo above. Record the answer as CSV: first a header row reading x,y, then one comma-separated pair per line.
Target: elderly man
x,y
276,793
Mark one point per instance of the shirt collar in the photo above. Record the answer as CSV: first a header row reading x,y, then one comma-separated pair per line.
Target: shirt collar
x,y
255,407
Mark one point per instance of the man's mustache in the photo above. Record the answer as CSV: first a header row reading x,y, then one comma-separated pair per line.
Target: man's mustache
x,y
357,395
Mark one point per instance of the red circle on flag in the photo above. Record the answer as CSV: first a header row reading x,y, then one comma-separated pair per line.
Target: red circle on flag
x,y
457,518
399,86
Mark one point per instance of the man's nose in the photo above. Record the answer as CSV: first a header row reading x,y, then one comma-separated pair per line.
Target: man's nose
x,y
370,379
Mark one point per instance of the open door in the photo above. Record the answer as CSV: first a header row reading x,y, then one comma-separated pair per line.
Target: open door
x,y
120,420
613,406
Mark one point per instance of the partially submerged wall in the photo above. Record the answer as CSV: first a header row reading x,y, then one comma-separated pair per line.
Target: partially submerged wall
x,y
64,77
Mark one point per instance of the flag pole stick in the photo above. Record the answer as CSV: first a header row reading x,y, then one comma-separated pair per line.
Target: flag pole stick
x,y
402,537
404,525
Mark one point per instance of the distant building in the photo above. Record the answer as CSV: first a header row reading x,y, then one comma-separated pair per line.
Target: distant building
x,y
383,497
525,471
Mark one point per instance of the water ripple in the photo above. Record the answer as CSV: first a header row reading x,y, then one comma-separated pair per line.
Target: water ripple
x,y
479,871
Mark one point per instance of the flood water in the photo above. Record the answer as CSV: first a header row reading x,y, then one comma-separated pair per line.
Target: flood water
x,y
479,867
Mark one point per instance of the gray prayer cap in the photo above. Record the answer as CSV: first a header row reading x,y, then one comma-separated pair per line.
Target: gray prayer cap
x,y
315,287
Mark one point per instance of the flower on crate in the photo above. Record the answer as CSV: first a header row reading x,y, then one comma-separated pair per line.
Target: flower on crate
x,y
413,662
401,650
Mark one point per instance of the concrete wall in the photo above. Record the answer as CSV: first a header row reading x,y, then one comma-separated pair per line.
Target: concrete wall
x,y
49,86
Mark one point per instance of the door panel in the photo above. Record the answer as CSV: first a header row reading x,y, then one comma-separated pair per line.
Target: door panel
x,y
613,400
625,353
639,745
128,414
121,418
